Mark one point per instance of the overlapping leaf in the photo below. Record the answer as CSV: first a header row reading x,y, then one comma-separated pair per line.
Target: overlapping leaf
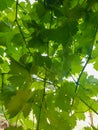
x,y
42,46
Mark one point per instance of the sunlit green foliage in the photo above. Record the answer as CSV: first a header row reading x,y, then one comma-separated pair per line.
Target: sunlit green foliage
x,y
42,45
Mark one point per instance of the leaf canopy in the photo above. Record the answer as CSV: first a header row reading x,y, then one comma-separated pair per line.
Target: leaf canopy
x,y
45,47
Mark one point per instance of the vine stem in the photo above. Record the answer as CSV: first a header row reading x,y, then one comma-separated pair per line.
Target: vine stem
x,y
45,82
40,109
77,82
16,20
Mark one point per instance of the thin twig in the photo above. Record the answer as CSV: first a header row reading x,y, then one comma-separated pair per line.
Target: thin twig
x,y
88,59
41,79
81,73
16,9
16,20
91,118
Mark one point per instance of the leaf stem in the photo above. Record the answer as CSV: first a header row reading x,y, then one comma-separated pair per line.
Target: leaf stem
x,y
2,74
88,105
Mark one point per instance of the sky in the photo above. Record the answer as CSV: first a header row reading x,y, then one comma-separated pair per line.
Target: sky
x,y
91,71
30,0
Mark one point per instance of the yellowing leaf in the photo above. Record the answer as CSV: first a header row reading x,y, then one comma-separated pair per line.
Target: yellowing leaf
x,y
17,102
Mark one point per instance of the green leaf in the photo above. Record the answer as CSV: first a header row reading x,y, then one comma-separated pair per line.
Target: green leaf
x,y
60,36
40,10
18,40
14,128
5,4
17,80
6,36
80,116
87,128
1,51
94,128
69,88
96,64
76,64
26,109
4,27
8,91
47,61
1,60
64,95
35,42
44,123
16,68
42,60
4,67
92,80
